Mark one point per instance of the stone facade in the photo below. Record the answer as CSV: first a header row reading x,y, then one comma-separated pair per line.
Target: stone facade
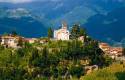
x,y
62,34
112,51
10,41
31,40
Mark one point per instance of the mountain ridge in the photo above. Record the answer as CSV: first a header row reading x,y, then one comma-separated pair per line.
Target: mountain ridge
x,y
52,13
22,21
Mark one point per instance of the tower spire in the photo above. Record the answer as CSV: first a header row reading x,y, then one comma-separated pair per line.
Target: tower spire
x,y
64,25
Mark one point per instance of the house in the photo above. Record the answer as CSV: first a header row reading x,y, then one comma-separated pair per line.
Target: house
x,y
30,40
117,51
62,34
105,47
43,41
10,41
112,51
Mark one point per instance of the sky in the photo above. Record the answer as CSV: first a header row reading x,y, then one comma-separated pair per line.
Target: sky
x,y
24,1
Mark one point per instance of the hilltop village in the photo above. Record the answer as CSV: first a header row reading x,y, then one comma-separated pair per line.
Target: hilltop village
x,y
62,54
63,34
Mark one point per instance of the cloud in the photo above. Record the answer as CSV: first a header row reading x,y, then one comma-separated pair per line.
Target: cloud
x,y
24,1
16,1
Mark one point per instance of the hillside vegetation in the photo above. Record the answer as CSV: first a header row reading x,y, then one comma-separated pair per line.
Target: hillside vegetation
x,y
113,72
53,60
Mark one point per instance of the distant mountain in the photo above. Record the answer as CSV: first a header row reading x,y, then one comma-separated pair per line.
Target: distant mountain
x,y
55,11
104,19
22,21
108,27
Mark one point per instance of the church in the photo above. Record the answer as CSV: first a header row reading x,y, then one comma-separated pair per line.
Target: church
x,y
63,33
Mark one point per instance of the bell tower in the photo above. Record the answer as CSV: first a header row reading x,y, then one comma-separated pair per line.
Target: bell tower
x,y
64,25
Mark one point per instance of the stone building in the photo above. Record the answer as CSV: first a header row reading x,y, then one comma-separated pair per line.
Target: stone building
x,y
63,33
31,40
109,50
10,41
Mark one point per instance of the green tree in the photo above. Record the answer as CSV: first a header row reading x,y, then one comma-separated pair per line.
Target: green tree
x,y
20,42
76,71
14,33
5,34
124,51
20,52
75,31
35,59
82,32
50,33
108,60
44,57
54,71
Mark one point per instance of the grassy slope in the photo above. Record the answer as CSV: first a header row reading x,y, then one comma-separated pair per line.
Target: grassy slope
x,y
113,72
